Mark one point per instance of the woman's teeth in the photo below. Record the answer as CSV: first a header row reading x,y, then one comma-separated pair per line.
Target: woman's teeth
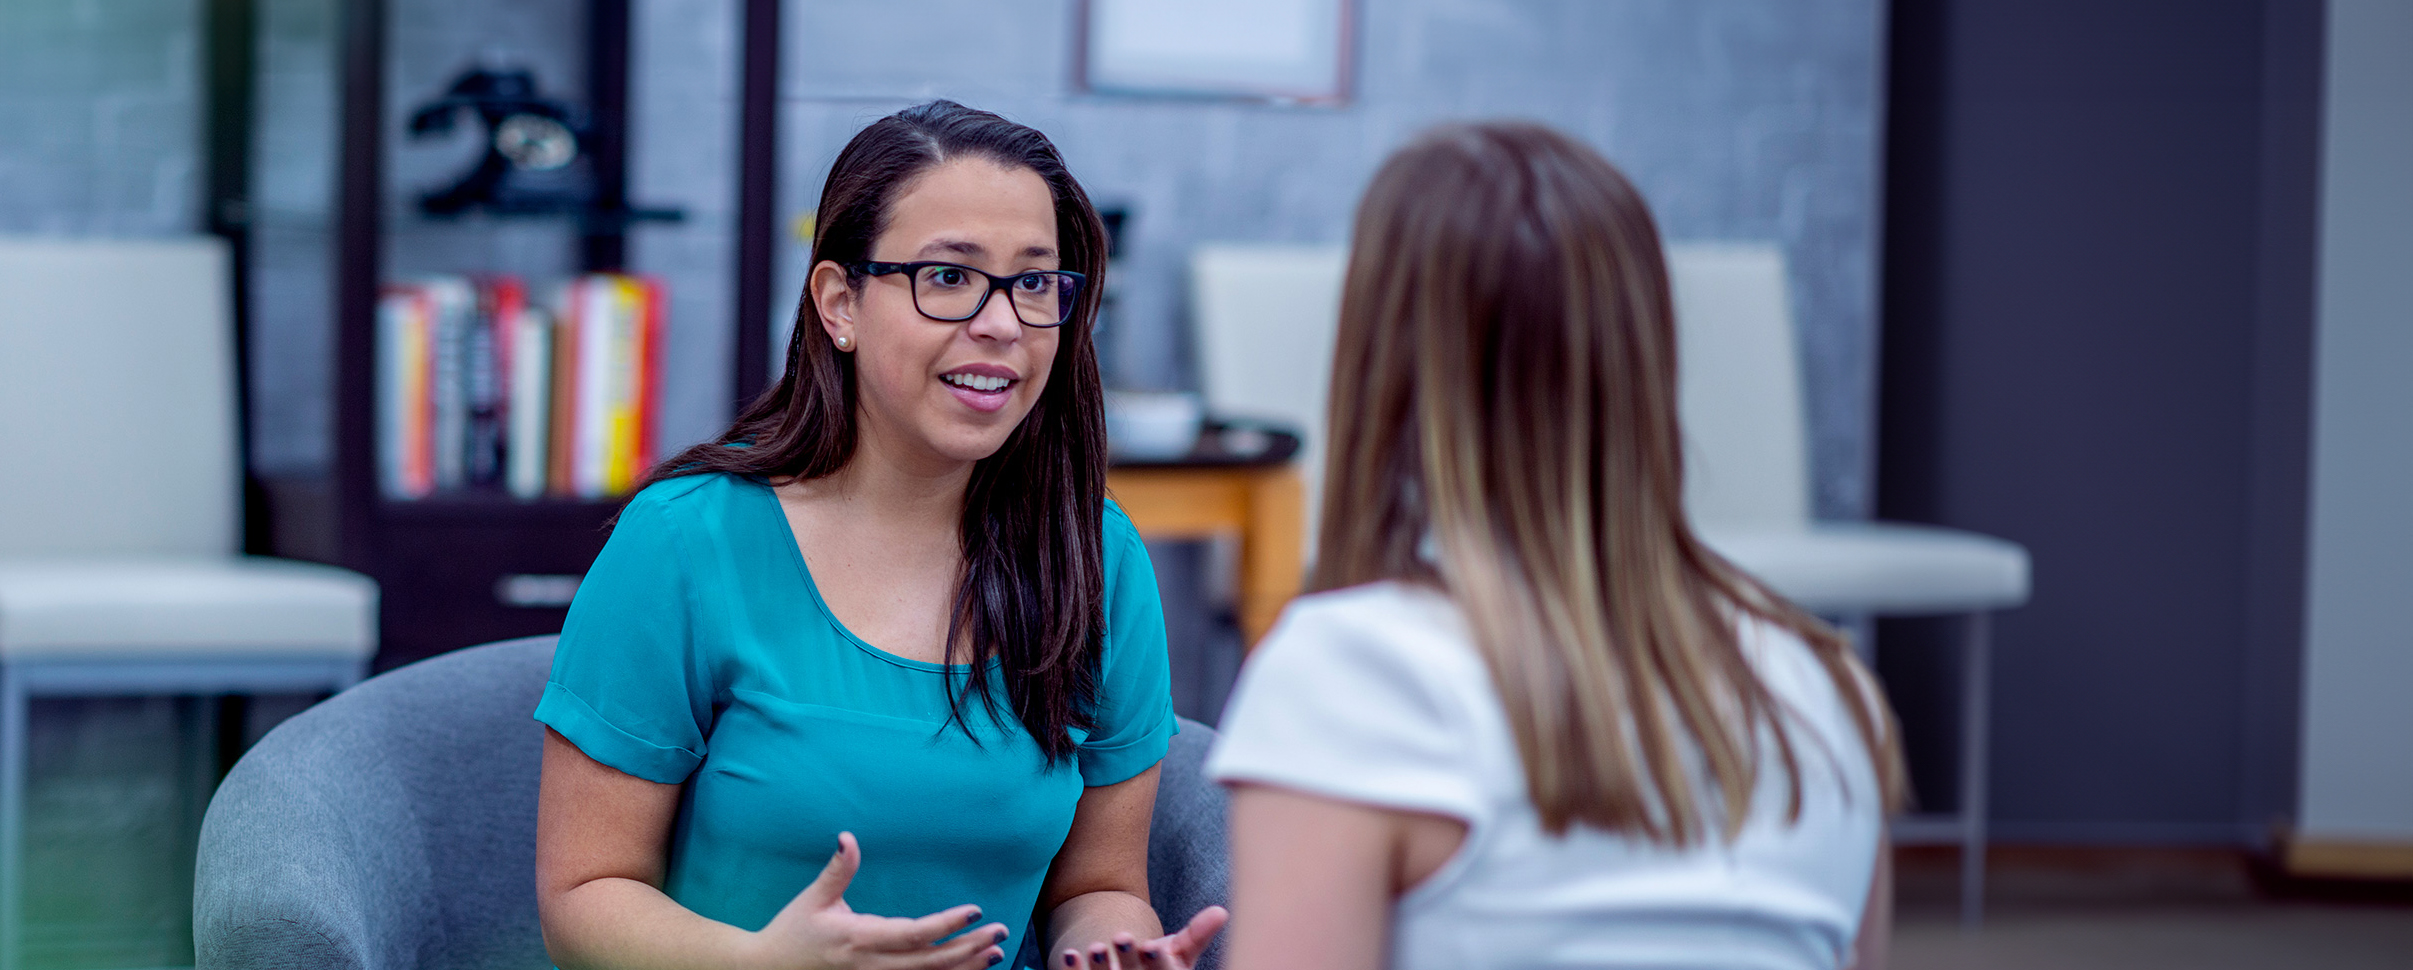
x,y
976,382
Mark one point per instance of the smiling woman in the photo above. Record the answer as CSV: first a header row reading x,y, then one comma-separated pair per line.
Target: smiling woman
x,y
973,382
879,661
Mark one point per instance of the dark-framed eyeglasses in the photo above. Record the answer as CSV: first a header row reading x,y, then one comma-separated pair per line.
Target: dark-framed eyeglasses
x,y
953,292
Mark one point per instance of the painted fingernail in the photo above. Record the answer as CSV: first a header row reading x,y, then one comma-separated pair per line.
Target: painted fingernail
x,y
972,917
1070,960
996,958
1098,956
1125,947
1000,937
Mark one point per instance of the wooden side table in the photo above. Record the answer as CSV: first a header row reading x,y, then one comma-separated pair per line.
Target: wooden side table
x,y
1265,505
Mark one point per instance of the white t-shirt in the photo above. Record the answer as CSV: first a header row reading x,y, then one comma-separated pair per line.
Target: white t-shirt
x,y
1376,695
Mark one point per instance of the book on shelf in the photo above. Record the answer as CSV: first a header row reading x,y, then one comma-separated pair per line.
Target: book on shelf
x,y
480,390
403,325
528,402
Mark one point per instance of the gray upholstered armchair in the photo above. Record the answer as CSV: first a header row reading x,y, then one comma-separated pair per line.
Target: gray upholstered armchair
x,y
395,826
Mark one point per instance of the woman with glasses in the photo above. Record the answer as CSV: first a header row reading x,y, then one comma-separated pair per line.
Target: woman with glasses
x,y
877,676
1529,720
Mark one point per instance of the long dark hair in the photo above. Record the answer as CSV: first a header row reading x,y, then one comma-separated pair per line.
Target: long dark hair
x,y
1032,592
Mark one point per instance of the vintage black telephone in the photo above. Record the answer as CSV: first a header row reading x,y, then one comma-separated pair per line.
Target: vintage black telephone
x,y
536,160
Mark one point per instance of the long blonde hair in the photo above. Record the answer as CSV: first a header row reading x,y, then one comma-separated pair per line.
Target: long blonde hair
x,y
1504,385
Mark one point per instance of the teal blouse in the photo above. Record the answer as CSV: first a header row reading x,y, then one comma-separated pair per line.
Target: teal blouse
x,y
699,652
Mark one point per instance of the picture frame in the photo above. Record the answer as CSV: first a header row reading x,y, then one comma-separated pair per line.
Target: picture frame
x,y
1298,52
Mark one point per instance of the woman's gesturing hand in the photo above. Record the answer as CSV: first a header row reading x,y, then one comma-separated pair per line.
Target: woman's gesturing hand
x,y
1178,950
818,931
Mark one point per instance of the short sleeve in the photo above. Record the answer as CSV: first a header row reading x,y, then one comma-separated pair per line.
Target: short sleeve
x,y
1134,711
628,687
1359,697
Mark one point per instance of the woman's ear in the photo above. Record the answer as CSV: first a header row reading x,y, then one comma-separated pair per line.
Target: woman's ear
x,y
834,298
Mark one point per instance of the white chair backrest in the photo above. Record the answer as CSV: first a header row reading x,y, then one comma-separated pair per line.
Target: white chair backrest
x,y
1265,316
1739,386
117,397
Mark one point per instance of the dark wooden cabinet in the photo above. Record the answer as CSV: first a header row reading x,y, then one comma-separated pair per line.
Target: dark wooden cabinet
x,y
458,569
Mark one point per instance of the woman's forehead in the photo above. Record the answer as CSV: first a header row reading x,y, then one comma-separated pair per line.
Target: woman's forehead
x,y
973,209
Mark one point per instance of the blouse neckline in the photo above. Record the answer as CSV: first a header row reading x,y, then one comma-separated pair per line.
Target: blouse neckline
x,y
812,589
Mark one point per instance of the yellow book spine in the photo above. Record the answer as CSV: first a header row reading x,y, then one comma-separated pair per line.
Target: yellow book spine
x,y
620,467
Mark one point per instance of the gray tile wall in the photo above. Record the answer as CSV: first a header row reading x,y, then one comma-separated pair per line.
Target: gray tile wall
x,y
100,113
296,107
683,153
1739,119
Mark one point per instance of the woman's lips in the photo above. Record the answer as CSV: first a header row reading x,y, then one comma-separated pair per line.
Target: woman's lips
x,y
985,402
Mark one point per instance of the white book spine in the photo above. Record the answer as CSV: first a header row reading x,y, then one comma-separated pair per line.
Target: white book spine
x,y
595,330
455,313
531,408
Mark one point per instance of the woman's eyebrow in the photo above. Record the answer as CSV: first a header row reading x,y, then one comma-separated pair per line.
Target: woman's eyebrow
x,y
965,247
960,247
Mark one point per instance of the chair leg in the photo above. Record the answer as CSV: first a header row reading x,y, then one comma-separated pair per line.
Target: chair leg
x,y
1977,686
14,744
145,680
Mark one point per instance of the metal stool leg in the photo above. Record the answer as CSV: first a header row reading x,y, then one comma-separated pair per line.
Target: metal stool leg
x,y
15,741
1977,683
19,682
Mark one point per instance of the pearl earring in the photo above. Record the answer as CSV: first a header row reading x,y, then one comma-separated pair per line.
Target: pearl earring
x,y
842,342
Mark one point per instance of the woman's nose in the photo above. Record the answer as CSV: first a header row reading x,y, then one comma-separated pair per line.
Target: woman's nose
x,y
996,320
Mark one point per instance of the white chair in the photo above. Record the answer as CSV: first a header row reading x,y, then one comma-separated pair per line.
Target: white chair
x,y
1265,316
119,485
1747,487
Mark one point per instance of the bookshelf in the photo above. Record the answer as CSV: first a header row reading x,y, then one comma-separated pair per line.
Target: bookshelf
x,y
465,566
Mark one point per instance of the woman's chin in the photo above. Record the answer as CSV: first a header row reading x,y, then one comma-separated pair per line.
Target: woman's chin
x,y
963,434
969,444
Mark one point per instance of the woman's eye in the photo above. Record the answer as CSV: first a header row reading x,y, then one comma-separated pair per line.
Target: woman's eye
x,y
947,276
1034,283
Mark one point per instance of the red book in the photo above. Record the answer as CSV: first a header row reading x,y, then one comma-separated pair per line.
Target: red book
x,y
422,397
507,299
565,390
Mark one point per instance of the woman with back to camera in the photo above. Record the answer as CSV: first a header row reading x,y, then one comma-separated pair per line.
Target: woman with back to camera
x,y
876,676
1528,719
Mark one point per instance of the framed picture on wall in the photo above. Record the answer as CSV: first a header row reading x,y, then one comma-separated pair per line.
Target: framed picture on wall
x,y
1287,51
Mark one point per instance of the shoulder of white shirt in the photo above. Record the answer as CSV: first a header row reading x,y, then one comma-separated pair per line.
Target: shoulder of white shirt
x,y
1410,616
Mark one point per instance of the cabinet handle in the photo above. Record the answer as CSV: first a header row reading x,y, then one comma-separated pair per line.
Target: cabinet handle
x,y
541,590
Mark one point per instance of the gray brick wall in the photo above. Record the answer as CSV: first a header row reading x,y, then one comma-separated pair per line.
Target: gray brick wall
x,y
683,153
295,104
1739,119
1743,119
99,117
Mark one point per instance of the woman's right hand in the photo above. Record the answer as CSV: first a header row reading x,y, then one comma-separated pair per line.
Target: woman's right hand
x,y
818,931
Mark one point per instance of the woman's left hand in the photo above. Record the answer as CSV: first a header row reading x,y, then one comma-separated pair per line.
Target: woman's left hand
x,y
1178,950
